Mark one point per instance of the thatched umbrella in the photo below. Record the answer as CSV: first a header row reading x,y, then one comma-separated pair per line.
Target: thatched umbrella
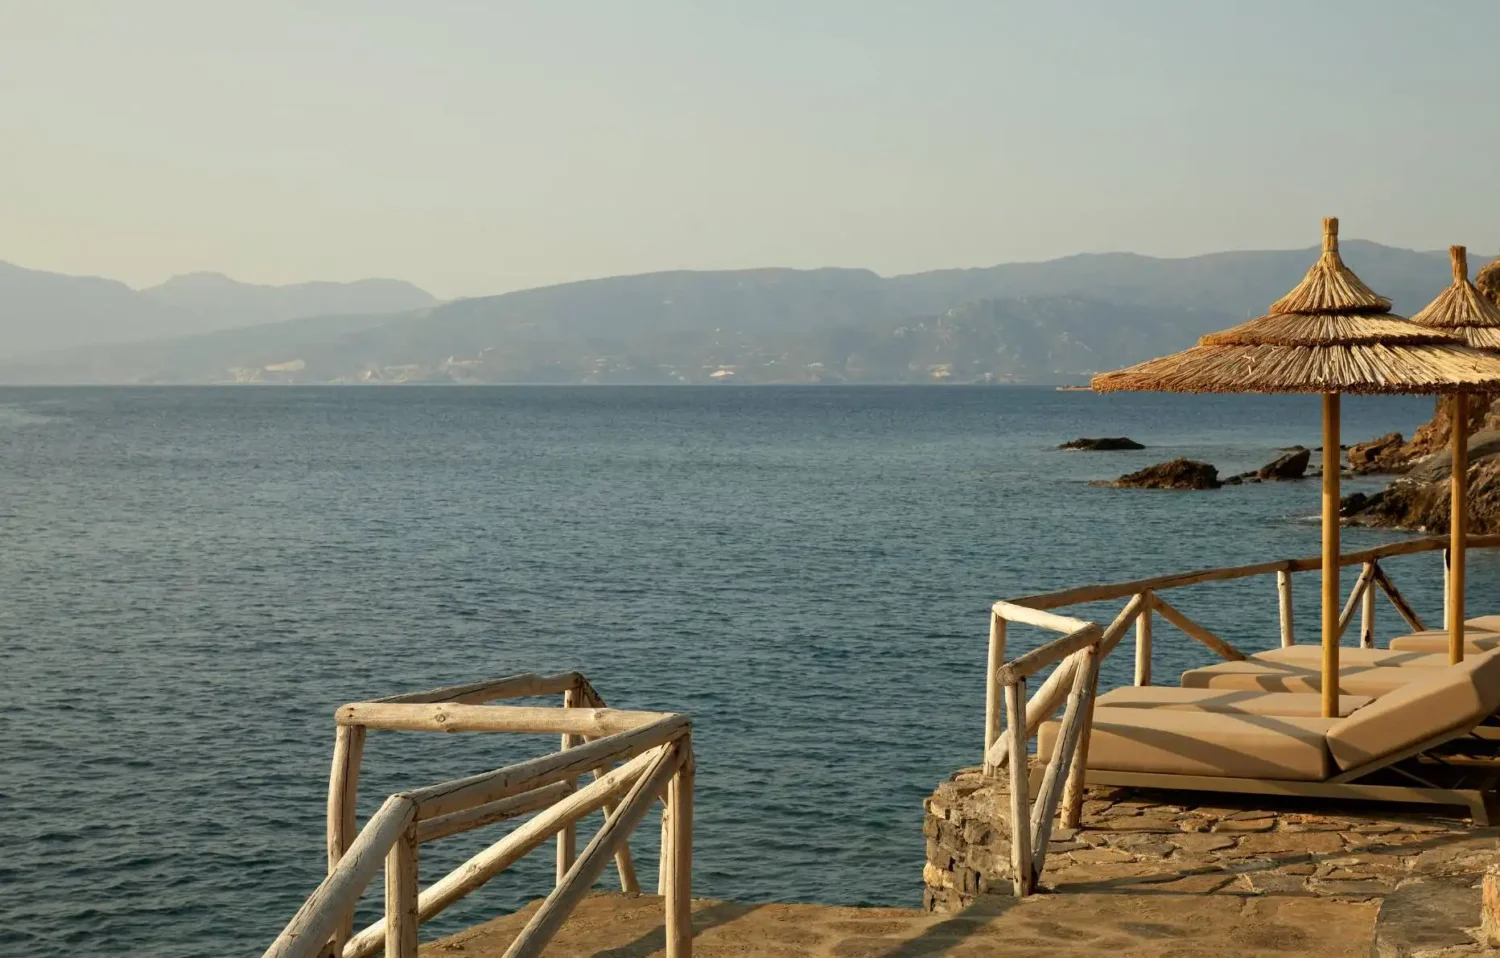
x,y
1463,310
1330,335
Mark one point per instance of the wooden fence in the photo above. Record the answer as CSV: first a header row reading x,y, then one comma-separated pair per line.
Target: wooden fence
x,y
654,747
1083,645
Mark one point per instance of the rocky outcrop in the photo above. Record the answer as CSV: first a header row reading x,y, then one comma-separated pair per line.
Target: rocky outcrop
x,y
1422,506
1436,434
1103,444
1173,474
1385,454
1289,465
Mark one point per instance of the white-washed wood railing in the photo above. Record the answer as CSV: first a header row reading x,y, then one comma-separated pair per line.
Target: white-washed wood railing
x,y
1012,719
657,755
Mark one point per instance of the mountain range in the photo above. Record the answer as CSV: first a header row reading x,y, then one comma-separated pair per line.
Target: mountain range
x,y
1046,322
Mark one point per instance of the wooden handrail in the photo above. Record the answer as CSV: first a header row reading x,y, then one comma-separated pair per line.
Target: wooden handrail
x,y
309,930
1027,615
1044,655
1116,590
525,685
449,797
454,717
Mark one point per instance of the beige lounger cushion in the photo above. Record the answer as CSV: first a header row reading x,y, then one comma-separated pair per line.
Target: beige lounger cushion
x,y
1450,698
1175,742
1311,657
1436,640
1279,677
1240,701
1491,622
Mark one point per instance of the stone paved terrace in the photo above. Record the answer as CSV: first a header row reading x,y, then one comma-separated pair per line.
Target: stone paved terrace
x,y
1043,926
1421,867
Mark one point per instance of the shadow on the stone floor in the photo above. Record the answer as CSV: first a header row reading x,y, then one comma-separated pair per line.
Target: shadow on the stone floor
x,y
1143,884
654,941
949,932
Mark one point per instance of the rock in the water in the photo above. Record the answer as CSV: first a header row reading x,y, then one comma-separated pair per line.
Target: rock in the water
x,y
1102,444
1439,466
1385,454
1423,506
1174,474
1290,465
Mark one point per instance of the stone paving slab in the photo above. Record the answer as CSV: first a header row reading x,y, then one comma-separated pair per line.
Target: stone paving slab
x,y
1141,841
1043,926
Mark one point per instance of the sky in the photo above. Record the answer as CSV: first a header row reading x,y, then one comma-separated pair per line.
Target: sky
x,y
478,147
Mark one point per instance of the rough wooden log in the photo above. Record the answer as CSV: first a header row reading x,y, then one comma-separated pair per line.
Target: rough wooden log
x,y
1072,803
401,896
584,872
1025,666
567,836
307,934
1284,601
1196,631
680,892
664,852
525,838
449,797
1161,583
1060,763
1361,586
451,717
1027,615
1398,601
1367,611
1054,691
1020,785
1143,644
488,690
343,794
993,694
1489,908
492,812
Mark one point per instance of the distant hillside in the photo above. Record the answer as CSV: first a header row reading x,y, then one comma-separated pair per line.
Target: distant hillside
x,y
42,311
1055,321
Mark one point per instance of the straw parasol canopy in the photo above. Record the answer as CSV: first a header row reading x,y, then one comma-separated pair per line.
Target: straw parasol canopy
x,y
1462,308
1332,334
1465,311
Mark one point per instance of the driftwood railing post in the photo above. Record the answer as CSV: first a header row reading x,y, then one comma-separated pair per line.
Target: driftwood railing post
x,y
1398,601
401,896
1143,641
679,902
1447,590
1020,788
567,839
992,692
1072,802
1284,597
1367,608
343,791
1060,763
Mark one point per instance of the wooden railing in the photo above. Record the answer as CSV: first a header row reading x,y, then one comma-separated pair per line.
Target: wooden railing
x,y
1083,645
655,747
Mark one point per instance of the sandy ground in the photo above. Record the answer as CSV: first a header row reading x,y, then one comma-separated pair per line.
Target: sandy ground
x,y
1120,926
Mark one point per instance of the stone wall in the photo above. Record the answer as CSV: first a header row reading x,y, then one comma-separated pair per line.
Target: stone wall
x,y
1199,842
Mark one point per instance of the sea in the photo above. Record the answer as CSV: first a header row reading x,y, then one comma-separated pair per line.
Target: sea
x,y
192,580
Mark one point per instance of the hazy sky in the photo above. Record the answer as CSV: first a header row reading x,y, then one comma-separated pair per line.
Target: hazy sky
x,y
475,147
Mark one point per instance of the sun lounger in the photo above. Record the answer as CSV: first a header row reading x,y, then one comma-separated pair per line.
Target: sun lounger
x,y
1263,676
1379,752
1436,640
1311,656
1491,622
1234,701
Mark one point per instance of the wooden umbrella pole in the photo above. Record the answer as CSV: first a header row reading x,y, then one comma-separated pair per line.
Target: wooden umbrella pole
x,y
1459,526
1331,465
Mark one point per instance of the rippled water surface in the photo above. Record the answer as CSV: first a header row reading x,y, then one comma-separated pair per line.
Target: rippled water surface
x,y
193,579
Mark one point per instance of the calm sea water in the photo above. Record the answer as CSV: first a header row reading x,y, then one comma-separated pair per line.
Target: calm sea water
x,y
192,580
